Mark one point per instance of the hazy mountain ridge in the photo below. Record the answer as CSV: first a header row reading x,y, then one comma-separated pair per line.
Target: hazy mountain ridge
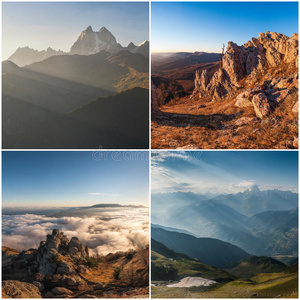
x,y
207,250
34,95
119,121
89,42
25,56
265,233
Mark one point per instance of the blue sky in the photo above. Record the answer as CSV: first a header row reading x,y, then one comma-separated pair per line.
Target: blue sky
x,y
206,26
40,25
224,171
62,178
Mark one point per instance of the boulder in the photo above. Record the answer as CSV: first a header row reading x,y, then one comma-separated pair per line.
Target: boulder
x,y
244,99
18,289
61,291
74,283
261,105
295,142
39,285
245,120
65,268
295,108
83,269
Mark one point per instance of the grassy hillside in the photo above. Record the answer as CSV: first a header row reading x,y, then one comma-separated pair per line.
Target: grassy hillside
x,y
169,265
250,266
264,285
209,251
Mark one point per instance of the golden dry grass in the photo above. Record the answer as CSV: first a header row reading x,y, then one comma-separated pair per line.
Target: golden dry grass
x,y
203,124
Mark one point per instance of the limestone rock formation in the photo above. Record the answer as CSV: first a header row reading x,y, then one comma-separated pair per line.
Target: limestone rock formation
x,y
49,261
67,275
269,50
18,289
154,98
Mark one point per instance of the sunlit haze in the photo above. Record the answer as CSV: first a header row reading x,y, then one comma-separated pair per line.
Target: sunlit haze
x,y
40,25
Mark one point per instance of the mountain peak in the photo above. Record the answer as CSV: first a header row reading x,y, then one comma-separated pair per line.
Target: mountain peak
x,y
255,188
145,42
103,29
89,29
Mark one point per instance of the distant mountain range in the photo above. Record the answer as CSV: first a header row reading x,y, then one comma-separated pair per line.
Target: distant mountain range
x,y
209,251
89,42
259,222
53,103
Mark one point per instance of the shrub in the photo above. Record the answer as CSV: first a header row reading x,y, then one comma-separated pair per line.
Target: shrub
x,y
92,262
56,259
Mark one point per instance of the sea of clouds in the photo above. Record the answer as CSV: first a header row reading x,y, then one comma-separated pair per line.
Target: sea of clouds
x,y
126,230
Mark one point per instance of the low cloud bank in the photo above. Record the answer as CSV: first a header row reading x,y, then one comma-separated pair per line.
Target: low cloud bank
x,y
128,230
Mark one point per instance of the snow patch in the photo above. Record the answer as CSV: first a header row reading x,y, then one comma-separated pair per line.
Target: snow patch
x,y
192,281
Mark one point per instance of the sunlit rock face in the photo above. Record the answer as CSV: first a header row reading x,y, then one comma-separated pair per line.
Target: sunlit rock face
x,y
91,42
269,50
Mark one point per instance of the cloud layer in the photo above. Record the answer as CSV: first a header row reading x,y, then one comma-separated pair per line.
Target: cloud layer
x,y
127,230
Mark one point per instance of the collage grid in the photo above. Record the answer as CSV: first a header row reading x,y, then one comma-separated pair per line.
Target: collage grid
x,y
150,149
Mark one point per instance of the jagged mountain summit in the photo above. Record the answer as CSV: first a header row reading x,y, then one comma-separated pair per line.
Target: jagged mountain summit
x,y
89,42
26,56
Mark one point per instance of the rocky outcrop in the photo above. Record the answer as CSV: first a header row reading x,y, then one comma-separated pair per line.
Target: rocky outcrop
x,y
154,99
60,268
18,289
271,49
49,259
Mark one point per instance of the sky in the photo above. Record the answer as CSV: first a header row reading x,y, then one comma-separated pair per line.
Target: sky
x,y
75,178
223,171
206,26
40,25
